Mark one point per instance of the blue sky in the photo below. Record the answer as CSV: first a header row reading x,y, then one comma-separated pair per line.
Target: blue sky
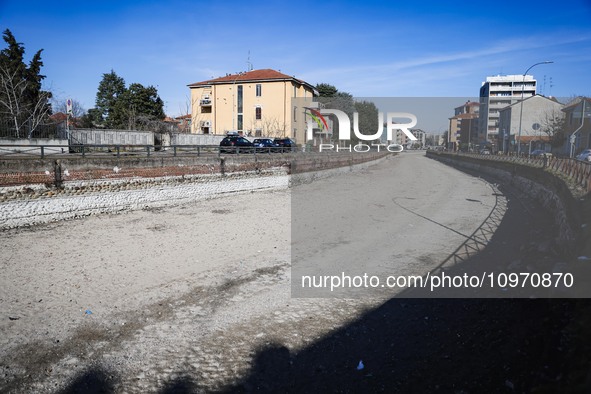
x,y
367,48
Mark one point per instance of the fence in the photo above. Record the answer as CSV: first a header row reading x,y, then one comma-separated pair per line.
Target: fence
x,y
579,172
57,169
51,130
36,151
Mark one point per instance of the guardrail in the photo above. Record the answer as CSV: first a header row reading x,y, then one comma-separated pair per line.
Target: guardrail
x,y
84,150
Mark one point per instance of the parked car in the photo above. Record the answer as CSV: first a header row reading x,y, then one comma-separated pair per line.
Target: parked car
x,y
485,152
540,153
234,143
584,155
285,144
265,144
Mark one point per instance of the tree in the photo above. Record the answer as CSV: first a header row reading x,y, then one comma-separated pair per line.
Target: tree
x,y
145,101
326,90
86,121
553,125
62,106
135,102
270,127
445,137
121,108
368,118
331,98
24,106
110,89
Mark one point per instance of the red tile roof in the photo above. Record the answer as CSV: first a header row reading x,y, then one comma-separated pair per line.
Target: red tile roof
x,y
532,138
266,74
58,117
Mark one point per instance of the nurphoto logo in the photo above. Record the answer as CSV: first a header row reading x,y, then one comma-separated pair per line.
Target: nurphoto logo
x,y
316,119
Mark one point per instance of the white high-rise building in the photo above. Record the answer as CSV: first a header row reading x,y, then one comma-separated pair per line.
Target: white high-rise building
x,y
496,93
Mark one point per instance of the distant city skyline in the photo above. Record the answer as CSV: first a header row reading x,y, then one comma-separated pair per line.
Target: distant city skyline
x,y
368,49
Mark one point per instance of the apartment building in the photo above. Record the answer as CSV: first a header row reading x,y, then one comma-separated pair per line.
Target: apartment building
x,y
496,93
463,126
257,103
399,137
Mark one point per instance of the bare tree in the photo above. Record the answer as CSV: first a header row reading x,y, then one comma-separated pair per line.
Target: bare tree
x,y
553,123
62,106
270,127
24,115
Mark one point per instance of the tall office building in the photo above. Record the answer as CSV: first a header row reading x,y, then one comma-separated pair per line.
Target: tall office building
x,y
496,93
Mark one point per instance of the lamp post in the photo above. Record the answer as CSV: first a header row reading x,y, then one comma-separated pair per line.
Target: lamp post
x,y
521,105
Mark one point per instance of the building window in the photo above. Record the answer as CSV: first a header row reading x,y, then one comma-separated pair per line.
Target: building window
x,y
240,105
295,114
259,89
258,132
258,113
239,99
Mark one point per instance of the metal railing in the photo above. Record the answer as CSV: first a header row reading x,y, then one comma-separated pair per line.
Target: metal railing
x,y
576,170
15,151
51,130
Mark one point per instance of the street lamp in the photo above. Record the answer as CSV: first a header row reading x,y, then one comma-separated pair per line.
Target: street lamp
x,y
521,106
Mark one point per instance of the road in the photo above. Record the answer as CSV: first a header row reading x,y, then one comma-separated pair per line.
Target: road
x,y
199,297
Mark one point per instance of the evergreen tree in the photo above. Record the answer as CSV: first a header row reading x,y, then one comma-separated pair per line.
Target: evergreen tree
x,y
330,97
11,57
121,108
110,89
326,90
368,118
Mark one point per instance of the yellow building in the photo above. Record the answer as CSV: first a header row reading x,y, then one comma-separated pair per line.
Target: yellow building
x,y
257,103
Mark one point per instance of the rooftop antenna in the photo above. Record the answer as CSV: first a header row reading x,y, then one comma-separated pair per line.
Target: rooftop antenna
x,y
248,61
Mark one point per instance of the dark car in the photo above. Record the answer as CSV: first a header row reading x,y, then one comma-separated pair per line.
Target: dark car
x,y
540,153
285,144
265,145
236,144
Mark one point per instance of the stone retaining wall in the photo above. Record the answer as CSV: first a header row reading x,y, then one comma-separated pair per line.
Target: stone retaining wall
x,y
48,178
153,187
549,190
